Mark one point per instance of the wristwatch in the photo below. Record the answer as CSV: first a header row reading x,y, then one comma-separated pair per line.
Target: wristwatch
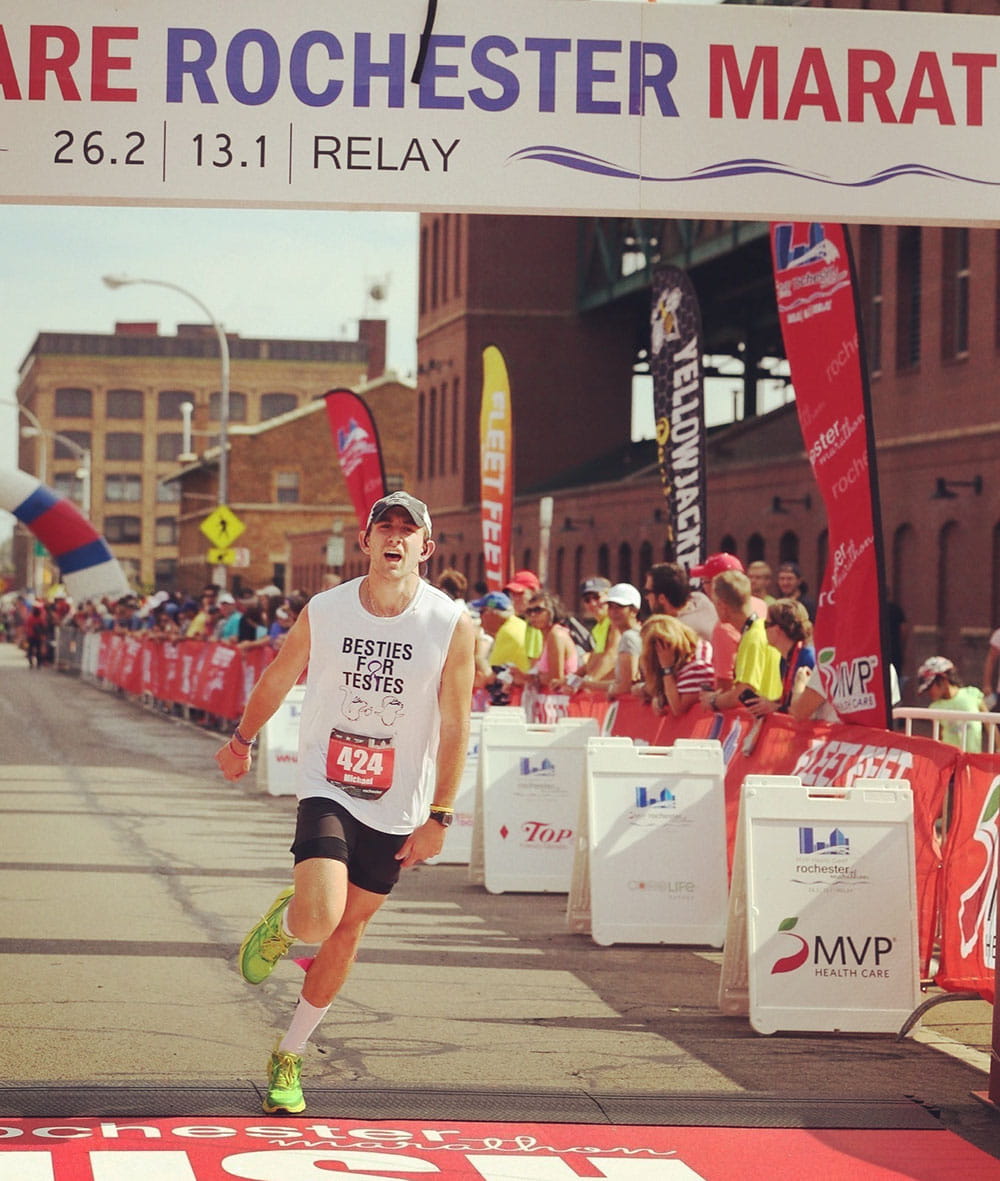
x,y
443,818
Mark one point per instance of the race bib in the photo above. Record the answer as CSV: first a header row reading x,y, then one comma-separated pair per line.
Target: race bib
x,y
362,766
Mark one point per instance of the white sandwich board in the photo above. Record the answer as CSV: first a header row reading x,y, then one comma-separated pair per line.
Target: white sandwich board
x,y
531,779
278,759
831,905
653,854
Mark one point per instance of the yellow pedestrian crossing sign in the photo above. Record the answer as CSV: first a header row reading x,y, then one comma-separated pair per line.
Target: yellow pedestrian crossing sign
x,y
222,527
221,557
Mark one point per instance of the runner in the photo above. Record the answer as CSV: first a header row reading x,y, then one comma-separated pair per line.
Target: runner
x,y
382,747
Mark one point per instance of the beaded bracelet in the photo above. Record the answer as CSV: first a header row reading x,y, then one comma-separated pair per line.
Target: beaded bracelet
x,y
244,755
251,742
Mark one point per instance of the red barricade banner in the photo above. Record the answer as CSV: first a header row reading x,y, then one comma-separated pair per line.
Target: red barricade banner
x,y
813,278
217,685
356,440
969,886
130,667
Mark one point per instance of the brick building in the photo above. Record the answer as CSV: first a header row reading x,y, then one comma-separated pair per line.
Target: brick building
x,y
286,487
930,304
118,396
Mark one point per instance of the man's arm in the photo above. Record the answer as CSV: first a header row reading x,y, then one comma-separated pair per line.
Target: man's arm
x,y
455,700
267,695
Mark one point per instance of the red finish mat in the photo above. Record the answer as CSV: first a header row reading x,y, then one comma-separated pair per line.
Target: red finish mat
x,y
276,1148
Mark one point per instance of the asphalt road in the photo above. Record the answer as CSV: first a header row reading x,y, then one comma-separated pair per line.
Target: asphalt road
x,y
130,871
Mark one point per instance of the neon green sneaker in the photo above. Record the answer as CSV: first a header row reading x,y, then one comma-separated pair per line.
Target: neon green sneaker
x,y
284,1091
266,943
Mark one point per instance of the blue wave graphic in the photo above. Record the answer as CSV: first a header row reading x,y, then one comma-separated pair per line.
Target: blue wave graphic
x,y
746,166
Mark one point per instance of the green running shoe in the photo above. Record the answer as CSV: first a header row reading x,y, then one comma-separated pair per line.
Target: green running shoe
x,y
266,943
284,1091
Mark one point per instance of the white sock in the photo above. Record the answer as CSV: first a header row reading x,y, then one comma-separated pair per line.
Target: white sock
x,y
304,1021
284,925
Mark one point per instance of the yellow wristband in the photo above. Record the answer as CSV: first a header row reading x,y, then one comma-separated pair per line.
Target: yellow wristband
x,y
441,808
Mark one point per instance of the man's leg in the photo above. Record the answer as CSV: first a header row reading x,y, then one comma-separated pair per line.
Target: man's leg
x,y
332,964
323,982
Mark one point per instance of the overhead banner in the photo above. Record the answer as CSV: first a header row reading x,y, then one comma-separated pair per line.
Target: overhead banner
x,y
496,478
355,438
679,410
745,111
86,564
814,280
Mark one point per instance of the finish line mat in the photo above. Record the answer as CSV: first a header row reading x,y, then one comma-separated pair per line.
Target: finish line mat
x,y
290,1148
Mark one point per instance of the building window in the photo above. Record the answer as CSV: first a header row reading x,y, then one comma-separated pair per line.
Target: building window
x,y
286,487
271,405
166,530
68,484
168,446
169,403
435,259
237,406
123,489
80,438
728,545
443,448
165,573
908,297
624,562
168,493
394,482
871,294
74,403
123,530
456,390
125,404
122,445
421,434
432,435
423,269
955,294
788,547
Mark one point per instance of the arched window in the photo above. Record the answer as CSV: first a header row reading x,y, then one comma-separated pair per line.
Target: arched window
x,y
603,561
421,434
994,580
756,548
947,579
624,562
645,558
822,557
901,569
788,547
728,545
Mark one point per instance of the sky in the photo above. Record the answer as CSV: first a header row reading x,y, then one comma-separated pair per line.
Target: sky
x,y
288,273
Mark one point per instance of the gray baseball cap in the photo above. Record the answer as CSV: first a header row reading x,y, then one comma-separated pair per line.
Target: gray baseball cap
x,y
416,509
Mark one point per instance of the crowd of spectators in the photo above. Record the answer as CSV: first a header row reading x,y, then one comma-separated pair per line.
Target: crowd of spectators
x,y
730,643
248,619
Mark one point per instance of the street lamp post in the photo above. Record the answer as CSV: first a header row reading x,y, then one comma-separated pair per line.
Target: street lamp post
x,y
116,281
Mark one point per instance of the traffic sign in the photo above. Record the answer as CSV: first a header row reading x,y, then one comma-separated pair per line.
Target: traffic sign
x,y
222,527
222,557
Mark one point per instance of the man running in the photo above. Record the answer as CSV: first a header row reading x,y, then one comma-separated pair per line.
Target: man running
x,y
382,746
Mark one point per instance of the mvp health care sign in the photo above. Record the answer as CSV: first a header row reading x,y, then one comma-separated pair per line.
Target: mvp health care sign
x,y
529,106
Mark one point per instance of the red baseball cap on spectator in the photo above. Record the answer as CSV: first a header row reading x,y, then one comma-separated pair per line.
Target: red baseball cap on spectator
x,y
523,580
716,564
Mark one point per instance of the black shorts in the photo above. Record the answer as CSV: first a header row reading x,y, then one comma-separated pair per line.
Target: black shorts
x,y
323,828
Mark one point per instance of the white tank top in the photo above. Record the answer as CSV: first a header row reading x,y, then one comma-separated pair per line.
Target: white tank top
x,y
368,737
